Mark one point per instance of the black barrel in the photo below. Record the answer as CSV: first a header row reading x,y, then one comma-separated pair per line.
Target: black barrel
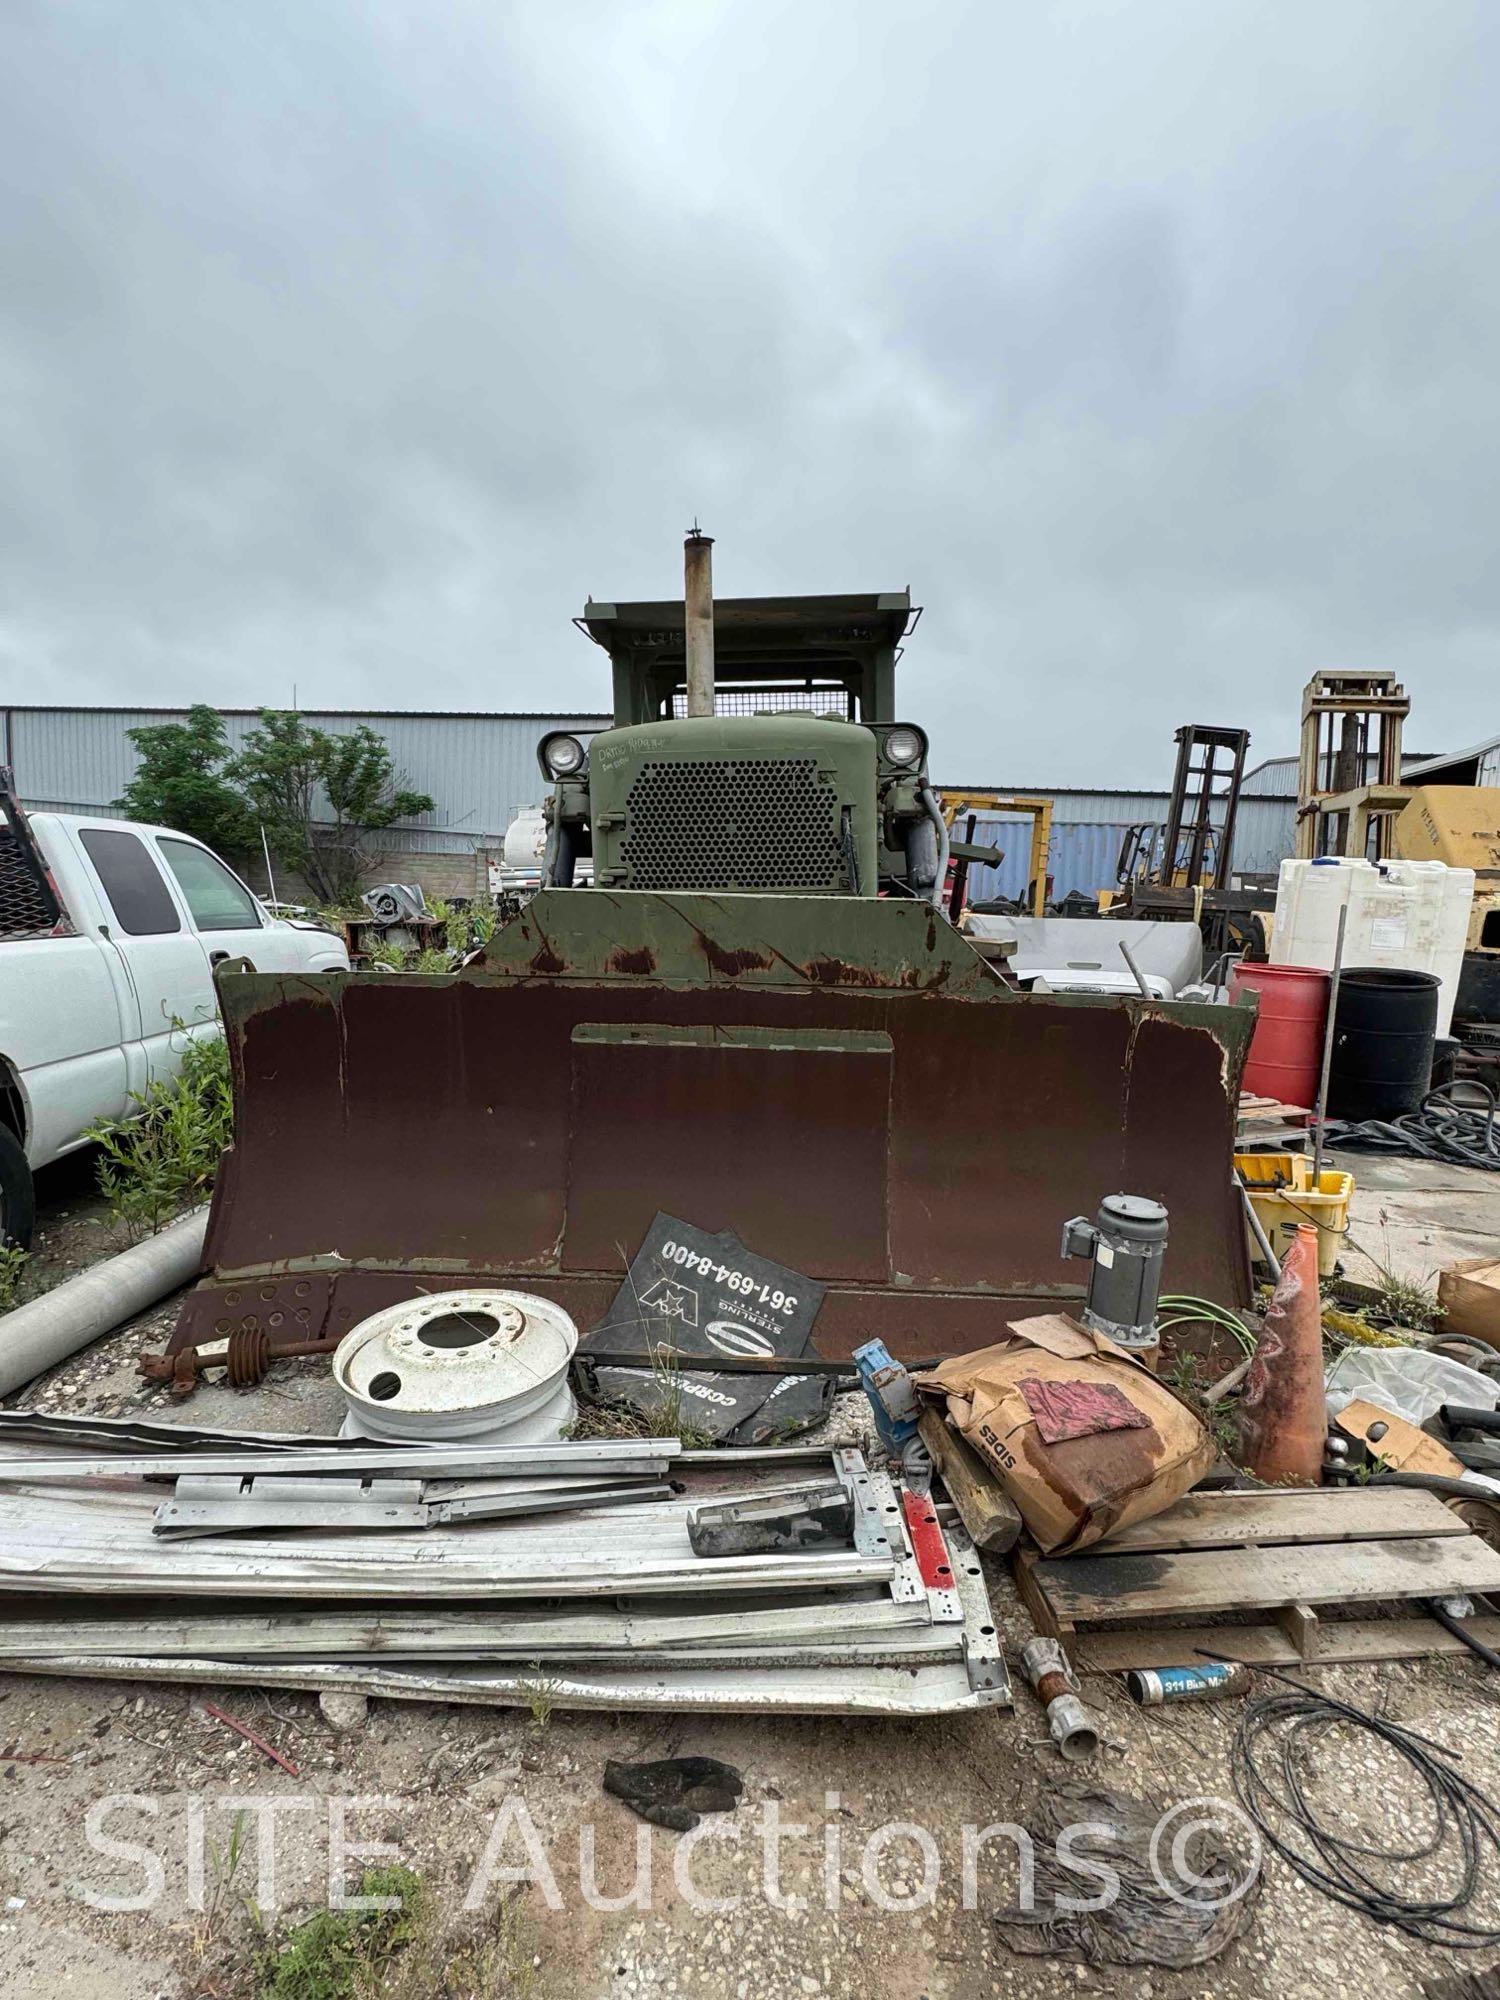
x,y
1383,1033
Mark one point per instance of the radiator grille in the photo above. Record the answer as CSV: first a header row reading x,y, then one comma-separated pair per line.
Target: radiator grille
x,y
25,907
740,823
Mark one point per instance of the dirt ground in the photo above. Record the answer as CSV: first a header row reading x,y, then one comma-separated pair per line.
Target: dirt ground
x,y
875,1801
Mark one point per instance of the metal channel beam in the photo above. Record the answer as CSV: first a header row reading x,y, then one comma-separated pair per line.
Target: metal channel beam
x,y
646,1457
235,1507
913,1693
520,1633
984,1648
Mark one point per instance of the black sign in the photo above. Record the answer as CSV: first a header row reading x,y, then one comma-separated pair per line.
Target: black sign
x,y
699,1294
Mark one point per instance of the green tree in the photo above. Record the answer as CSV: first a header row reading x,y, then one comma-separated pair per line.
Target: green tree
x,y
322,798
181,781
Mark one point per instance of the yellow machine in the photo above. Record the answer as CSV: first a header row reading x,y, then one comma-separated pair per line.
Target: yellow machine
x,y
1460,826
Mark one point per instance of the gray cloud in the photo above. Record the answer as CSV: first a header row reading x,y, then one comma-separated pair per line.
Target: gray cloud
x,y
352,345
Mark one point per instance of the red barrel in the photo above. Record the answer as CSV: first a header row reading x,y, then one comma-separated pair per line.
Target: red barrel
x,y
1286,1052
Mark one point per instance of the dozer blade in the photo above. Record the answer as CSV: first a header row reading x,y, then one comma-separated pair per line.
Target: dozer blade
x,y
845,1085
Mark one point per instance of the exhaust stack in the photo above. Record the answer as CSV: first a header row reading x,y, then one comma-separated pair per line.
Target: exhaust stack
x,y
698,620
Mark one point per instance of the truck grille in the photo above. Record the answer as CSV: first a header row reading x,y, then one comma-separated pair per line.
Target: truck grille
x,y
25,907
741,823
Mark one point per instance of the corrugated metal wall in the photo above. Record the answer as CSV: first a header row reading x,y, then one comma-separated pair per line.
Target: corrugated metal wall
x,y
1083,856
479,768
1089,827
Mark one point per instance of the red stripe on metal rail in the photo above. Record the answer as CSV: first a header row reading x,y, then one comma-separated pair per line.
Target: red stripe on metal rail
x,y
928,1546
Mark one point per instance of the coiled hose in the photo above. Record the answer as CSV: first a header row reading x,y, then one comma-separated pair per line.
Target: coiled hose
x,y
1458,1135
1271,1762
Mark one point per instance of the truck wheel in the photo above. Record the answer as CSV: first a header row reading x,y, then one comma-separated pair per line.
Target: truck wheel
x,y
17,1196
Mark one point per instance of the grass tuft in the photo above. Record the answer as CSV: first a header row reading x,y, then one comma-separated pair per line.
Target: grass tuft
x,y
13,1262
345,1954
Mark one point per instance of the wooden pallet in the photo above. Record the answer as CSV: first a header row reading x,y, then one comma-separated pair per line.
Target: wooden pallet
x,y
1289,1555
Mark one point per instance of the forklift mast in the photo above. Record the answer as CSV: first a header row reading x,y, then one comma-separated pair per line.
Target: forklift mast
x,y
1199,845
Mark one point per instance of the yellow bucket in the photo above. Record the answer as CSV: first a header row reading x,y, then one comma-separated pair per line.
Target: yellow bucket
x,y
1280,1186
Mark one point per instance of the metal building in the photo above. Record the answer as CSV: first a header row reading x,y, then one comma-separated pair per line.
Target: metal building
x,y
481,769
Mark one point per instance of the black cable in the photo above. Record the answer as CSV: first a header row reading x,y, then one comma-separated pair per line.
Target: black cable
x,y
1437,1482
1459,1630
1269,1764
1458,1135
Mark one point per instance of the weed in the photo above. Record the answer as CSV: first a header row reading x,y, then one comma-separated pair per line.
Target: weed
x,y
495,1960
224,1866
540,1696
389,957
490,1957
1181,1375
13,1261
1224,1427
1221,1419
344,1954
162,1159
1408,1302
433,959
613,1420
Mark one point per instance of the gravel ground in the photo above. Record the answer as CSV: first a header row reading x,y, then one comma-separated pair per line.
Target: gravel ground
x,y
439,1783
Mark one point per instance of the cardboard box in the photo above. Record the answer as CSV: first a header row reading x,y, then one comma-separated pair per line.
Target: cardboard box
x,y
1083,1438
1469,1294
1400,1445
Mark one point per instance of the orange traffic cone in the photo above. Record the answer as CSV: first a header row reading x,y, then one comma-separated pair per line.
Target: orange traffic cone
x,y
1283,1417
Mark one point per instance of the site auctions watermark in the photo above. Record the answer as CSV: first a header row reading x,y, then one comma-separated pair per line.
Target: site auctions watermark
x,y
901,1866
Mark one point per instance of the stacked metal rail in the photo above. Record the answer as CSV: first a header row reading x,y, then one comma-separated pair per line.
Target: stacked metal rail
x,y
475,1573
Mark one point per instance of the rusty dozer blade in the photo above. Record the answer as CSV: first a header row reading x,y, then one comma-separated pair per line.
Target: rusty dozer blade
x,y
845,1085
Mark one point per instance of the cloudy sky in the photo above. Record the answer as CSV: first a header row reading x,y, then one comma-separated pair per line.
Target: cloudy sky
x,y
1154,343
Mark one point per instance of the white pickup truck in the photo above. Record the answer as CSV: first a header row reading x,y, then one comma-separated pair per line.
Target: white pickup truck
x,y
110,931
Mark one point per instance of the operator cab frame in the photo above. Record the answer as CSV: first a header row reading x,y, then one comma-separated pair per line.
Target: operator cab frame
x,y
785,670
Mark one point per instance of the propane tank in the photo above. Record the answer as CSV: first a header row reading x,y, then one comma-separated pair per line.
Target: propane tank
x,y
1125,1245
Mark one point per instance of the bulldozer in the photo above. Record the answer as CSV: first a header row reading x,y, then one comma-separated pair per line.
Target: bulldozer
x,y
753,1015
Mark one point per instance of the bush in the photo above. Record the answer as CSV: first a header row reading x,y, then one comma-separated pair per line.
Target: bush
x,y
162,1159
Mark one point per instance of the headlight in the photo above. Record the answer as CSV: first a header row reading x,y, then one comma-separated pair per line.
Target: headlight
x,y
904,746
562,755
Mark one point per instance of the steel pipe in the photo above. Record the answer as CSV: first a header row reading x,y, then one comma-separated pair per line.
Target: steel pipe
x,y
47,1330
698,621
1072,1727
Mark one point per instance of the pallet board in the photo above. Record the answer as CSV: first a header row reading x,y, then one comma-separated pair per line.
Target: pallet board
x,y
1349,1642
1219,1556
1329,1514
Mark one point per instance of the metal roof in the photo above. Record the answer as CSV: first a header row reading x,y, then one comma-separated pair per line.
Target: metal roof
x,y
1482,755
853,618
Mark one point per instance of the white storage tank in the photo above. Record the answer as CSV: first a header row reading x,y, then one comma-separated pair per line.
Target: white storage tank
x,y
1412,916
